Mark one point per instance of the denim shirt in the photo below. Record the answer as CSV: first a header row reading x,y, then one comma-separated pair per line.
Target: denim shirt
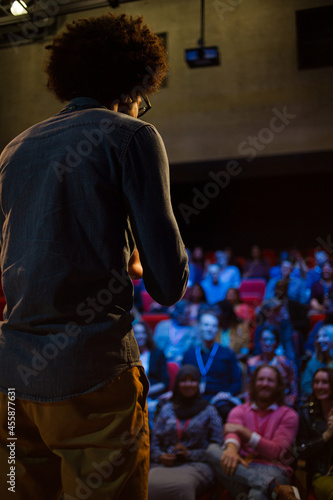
x,y
77,192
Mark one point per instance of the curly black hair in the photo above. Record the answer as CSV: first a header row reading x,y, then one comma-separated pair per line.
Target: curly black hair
x,y
108,58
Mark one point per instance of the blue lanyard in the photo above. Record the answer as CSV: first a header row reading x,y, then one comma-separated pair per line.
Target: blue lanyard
x,y
204,369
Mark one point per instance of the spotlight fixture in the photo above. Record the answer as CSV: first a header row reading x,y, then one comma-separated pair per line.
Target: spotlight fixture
x,y
19,8
201,56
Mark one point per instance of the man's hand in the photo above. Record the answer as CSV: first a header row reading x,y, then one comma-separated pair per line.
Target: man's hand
x,y
242,432
168,459
135,269
230,459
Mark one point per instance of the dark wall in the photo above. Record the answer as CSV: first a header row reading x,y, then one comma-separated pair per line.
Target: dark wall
x,y
275,212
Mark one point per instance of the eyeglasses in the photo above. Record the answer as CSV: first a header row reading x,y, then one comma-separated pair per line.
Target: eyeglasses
x,y
146,107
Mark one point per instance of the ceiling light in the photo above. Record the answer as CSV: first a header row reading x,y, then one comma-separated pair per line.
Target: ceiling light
x,y
19,8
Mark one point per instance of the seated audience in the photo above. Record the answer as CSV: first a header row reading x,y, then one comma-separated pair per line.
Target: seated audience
x,y
196,298
196,265
242,310
234,332
256,267
309,346
322,358
184,428
152,359
299,265
296,289
215,290
155,366
276,311
220,374
321,290
300,268
258,435
314,275
230,275
269,341
275,271
174,336
315,437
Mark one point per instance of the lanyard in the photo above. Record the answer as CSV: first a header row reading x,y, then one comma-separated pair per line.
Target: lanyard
x,y
264,427
180,431
204,369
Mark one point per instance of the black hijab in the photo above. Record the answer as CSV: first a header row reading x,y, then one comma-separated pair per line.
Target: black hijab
x,y
186,408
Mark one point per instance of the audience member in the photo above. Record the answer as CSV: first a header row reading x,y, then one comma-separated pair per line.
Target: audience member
x,y
275,311
275,271
309,346
196,265
220,374
174,336
229,274
184,428
299,265
152,359
322,358
296,286
269,341
315,437
258,435
314,275
215,290
234,332
242,310
196,298
322,289
256,267
300,268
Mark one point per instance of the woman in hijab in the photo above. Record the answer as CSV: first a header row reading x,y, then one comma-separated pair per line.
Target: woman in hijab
x,y
183,429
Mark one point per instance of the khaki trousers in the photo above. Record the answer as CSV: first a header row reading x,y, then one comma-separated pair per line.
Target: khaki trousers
x,y
91,447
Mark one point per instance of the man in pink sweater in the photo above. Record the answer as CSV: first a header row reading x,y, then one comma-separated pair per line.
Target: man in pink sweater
x,y
255,457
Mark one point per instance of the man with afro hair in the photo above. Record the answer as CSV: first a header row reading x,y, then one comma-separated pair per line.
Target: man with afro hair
x,y
84,208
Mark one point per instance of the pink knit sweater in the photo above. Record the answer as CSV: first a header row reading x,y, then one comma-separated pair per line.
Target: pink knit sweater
x,y
273,432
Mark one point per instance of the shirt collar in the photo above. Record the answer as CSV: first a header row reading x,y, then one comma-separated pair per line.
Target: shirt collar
x,y
273,407
82,103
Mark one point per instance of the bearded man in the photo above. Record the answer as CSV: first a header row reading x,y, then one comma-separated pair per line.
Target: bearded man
x,y
255,458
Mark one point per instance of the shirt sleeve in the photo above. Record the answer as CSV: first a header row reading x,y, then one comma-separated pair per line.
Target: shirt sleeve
x,y
146,190
158,445
211,433
284,436
236,416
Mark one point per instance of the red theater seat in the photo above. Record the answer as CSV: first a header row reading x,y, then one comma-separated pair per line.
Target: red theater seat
x,y
314,318
252,290
152,319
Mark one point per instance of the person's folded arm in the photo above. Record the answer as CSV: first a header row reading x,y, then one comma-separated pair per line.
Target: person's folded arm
x,y
284,436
